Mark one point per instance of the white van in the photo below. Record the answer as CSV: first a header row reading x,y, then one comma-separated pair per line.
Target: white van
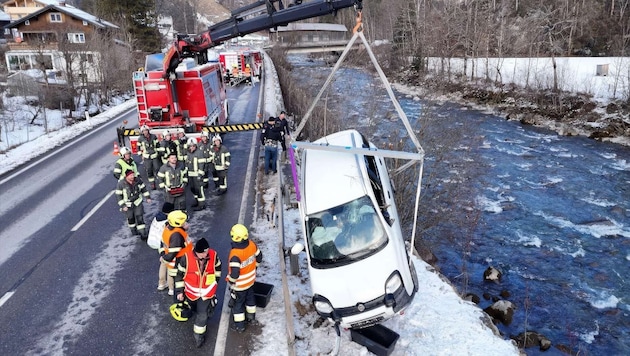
x,y
359,267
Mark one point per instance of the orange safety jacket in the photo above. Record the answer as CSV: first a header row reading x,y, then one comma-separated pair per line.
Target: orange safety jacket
x,y
166,248
245,260
197,283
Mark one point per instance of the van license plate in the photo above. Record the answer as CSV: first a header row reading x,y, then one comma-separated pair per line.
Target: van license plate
x,y
367,322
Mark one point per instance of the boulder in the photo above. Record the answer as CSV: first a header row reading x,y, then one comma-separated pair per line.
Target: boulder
x,y
501,311
492,274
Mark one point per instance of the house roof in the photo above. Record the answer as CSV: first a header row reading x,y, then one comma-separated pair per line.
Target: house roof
x,y
68,10
298,26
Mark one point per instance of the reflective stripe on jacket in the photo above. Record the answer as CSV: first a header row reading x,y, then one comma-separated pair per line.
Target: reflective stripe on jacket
x,y
195,282
147,146
175,243
131,194
195,163
220,158
172,177
244,257
121,166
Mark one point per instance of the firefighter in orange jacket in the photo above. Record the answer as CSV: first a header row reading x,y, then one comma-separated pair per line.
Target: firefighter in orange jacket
x,y
243,259
198,273
175,243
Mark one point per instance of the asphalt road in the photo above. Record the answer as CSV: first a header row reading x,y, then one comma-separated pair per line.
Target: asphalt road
x,y
74,280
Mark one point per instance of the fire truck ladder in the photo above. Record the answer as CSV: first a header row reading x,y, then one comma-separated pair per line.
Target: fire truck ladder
x,y
138,86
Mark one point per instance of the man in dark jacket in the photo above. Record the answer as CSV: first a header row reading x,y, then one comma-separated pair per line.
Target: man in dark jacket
x,y
271,135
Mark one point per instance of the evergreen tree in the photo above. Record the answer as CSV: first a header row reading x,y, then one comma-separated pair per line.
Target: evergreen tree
x,y
138,19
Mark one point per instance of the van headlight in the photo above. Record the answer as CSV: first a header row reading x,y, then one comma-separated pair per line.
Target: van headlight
x,y
322,305
394,282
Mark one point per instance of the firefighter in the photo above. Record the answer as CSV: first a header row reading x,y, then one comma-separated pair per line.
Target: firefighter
x,y
220,158
166,146
234,72
175,243
286,134
124,163
198,274
130,192
182,146
195,165
147,148
205,146
248,74
173,177
243,260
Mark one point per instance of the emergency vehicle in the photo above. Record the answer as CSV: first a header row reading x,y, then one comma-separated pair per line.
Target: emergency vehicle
x,y
241,65
180,90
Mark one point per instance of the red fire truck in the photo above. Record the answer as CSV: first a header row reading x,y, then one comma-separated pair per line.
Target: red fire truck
x,y
180,90
241,65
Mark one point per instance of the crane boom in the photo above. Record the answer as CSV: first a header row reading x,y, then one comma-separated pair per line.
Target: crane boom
x,y
251,18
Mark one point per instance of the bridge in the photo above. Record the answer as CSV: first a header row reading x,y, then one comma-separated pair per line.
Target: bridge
x,y
311,37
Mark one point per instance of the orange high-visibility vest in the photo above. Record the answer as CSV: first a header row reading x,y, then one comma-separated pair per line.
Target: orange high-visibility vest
x,y
247,265
200,284
181,250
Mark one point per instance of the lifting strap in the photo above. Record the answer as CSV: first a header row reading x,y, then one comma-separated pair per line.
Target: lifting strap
x,y
358,33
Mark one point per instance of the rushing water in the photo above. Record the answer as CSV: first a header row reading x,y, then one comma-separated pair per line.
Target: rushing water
x,y
552,213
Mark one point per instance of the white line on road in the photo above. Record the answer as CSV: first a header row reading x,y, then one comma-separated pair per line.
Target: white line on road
x,y
6,297
219,346
94,209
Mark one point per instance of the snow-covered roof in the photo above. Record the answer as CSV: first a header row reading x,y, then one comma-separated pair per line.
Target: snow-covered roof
x,y
4,16
297,26
70,11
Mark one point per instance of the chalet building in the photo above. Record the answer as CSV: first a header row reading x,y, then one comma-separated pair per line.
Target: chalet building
x,y
18,9
56,38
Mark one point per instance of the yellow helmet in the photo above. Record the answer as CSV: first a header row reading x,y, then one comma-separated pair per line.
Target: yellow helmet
x,y
181,311
239,233
177,218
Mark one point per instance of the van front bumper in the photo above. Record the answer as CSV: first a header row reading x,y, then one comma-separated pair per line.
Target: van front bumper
x,y
365,314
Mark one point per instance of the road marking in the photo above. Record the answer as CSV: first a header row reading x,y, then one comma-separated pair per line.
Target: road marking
x,y
224,322
6,297
94,209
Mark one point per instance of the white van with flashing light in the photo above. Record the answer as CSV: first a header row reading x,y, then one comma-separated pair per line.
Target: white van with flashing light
x,y
360,270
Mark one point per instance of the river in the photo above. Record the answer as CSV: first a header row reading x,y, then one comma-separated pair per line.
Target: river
x,y
551,212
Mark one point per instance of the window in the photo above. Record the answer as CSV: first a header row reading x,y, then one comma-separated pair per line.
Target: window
x,y
30,61
76,37
85,23
55,17
27,23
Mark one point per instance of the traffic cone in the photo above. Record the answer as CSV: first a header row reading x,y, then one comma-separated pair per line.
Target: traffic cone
x,y
116,150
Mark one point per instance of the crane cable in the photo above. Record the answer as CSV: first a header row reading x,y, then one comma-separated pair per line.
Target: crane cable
x,y
358,33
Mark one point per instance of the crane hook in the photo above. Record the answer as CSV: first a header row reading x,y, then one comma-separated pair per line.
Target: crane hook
x,y
359,25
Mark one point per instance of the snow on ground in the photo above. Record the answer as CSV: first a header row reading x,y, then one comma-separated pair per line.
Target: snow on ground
x,y
605,78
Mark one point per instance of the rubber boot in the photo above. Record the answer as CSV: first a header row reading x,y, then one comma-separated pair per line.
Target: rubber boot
x,y
199,339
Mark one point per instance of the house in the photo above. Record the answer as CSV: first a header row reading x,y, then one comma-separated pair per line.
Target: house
x,y
57,38
17,9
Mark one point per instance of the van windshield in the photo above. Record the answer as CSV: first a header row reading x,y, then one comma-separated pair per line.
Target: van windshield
x,y
345,233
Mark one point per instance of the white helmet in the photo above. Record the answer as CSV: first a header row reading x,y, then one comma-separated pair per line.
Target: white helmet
x,y
192,142
144,127
205,134
166,133
217,137
124,150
